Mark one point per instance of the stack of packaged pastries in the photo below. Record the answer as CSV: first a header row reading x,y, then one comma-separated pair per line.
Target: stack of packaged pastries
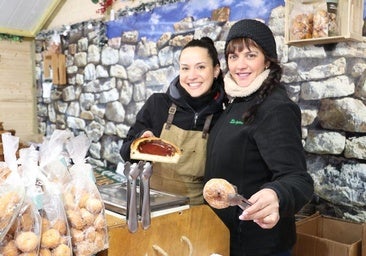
x,y
310,20
57,210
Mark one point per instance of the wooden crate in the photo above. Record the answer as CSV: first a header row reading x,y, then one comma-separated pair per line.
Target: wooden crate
x,y
350,15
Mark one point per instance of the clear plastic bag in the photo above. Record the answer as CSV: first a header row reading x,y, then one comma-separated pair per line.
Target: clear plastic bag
x,y
321,20
301,21
12,191
56,238
84,205
23,238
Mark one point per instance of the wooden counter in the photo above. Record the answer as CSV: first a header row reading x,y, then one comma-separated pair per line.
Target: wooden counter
x,y
196,231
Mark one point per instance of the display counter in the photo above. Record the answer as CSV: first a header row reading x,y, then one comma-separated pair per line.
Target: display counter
x,y
196,231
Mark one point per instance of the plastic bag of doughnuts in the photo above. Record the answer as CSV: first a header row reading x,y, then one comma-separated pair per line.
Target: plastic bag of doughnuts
x,y
12,192
23,238
84,206
56,238
301,21
11,199
321,20
86,215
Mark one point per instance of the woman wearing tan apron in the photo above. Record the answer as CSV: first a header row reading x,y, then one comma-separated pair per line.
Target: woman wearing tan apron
x,y
185,177
183,115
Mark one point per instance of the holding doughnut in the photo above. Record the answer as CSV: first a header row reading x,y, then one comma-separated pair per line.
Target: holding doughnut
x,y
216,192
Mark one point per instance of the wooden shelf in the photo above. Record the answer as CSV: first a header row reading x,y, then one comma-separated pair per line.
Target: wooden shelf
x,y
324,40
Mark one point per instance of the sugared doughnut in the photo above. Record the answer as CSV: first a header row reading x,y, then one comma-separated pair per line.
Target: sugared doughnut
x,y
27,241
62,250
87,217
75,219
45,252
100,222
94,205
50,238
216,192
10,249
60,225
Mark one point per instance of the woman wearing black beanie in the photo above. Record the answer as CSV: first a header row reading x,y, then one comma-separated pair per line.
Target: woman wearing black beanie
x,y
256,146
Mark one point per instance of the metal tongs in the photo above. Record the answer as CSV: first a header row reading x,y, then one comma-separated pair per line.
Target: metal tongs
x,y
132,172
141,172
145,210
239,200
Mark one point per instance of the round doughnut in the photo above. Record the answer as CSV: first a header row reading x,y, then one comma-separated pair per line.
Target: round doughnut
x,y
100,222
50,238
60,225
216,192
87,217
10,249
45,252
77,235
62,250
75,219
94,205
27,241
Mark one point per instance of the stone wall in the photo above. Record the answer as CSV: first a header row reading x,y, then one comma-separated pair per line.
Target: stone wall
x,y
109,81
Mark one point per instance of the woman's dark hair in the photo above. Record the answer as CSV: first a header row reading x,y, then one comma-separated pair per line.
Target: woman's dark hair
x,y
207,43
273,79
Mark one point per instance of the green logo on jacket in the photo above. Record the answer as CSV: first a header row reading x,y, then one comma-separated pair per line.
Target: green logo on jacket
x,y
236,122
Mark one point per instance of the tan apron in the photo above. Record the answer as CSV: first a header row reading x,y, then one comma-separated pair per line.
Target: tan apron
x,y
185,177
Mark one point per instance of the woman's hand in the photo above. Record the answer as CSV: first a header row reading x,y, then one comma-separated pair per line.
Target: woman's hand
x,y
147,134
264,209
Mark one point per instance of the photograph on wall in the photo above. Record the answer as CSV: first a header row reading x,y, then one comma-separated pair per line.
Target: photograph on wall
x,y
153,22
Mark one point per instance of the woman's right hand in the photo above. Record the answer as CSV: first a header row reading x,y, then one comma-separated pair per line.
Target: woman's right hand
x,y
264,209
147,134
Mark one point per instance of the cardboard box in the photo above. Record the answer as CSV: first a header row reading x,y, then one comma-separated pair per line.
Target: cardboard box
x,y
320,235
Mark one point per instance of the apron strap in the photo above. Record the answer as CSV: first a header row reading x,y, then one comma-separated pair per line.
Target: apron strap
x,y
169,121
171,113
206,126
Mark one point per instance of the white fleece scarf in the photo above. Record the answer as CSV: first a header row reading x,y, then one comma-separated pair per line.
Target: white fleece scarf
x,y
233,90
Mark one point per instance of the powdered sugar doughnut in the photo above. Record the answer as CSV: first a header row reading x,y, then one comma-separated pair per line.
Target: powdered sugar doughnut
x,y
27,241
216,193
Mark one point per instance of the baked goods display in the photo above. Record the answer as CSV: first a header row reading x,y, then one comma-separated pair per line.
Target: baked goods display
x,y
70,216
216,193
155,149
310,20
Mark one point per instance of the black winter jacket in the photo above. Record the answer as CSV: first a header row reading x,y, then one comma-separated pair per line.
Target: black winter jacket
x,y
267,153
154,113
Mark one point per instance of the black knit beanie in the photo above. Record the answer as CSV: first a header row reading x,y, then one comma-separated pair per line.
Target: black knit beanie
x,y
257,31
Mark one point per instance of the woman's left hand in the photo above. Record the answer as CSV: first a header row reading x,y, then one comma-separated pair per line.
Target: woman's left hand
x,y
264,209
